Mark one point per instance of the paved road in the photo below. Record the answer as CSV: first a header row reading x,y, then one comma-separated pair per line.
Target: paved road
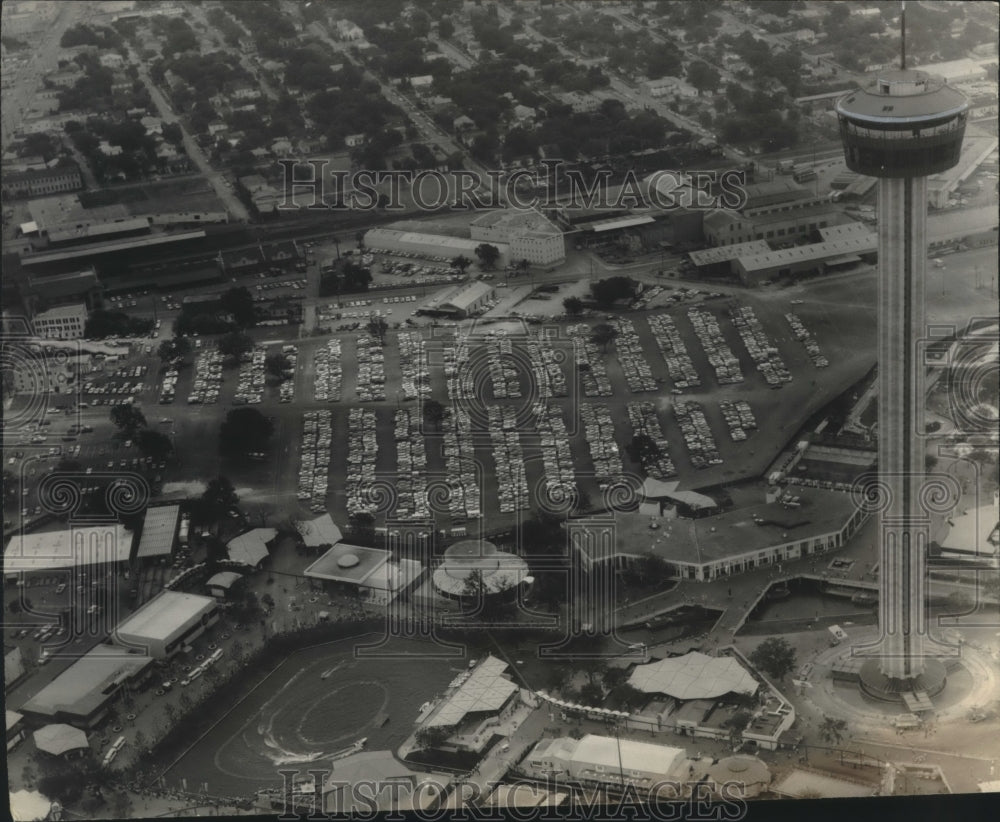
x,y
215,178
17,98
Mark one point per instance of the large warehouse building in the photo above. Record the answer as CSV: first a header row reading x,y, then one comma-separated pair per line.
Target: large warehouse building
x,y
165,624
81,694
159,530
395,241
74,547
461,302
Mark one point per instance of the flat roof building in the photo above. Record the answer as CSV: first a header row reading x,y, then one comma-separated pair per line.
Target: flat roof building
x,y
159,530
369,571
392,240
75,547
530,235
733,541
162,626
80,695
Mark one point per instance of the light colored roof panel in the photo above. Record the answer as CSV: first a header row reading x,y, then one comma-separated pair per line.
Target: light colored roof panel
x,y
620,222
250,548
158,531
165,615
724,253
627,754
486,689
693,676
59,739
74,547
320,531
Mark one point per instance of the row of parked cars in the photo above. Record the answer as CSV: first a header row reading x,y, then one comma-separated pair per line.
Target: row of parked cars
x,y
503,374
720,355
550,381
371,369
411,467
560,478
803,335
458,377
511,476
286,390
638,374
317,436
461,465
362,453
329,374
207,377
739,417
590,363
761,349
656,461
698,438
599,431
416,377
250,379
668,338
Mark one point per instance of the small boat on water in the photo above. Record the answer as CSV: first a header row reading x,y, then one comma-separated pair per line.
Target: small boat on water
x,y
381,720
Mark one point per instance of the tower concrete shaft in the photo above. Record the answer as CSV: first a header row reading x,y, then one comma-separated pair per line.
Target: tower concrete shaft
x,y
904,526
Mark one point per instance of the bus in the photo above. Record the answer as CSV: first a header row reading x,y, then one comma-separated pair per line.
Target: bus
x,y
182,536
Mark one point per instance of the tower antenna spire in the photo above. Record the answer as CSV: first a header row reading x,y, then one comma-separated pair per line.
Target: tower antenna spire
x,y
902,25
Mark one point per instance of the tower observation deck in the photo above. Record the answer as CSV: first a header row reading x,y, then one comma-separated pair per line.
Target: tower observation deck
x,y
904,127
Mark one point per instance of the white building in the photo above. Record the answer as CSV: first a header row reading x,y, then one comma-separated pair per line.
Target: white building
x,y
165,624
66,322
605,760
529,235
369,572
75,547
467,299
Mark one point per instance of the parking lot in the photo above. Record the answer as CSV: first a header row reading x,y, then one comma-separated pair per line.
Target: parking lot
x,y
697,377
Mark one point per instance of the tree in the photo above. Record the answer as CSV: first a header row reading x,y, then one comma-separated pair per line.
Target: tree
x,y
155,445
607,292
736,724
127,418
833,730
362,526
591,694
959,601
602,334
234,345
774,656
218,498
461,262
176,348
445,28
573,306
433,413
239,302
276,365
614,677
487,254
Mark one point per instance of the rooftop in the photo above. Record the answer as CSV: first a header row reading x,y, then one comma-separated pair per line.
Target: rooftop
x,y
486,688
525,220
93,249
224,579
627,754
319,531
348,563
725,253
733,533
75,547
498,569
80,689
59,739
250,548
693,676
158,531
912,96
165,615
854,243
468,295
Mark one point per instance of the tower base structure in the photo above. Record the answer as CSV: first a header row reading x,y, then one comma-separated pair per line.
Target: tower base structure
x,y
931,681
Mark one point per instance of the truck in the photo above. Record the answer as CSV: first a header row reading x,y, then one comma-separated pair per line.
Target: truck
x,y
803,174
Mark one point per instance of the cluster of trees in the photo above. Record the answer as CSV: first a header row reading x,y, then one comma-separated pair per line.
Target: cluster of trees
x,y
138,150
102,323
232,33
234,311
215,503
83,34
354,106
131,422
608,291
178,37
269,26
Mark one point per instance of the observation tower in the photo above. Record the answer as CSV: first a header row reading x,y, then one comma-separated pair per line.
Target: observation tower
x,y
905,126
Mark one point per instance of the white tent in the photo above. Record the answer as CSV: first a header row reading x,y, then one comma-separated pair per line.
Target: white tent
x,y
28,806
